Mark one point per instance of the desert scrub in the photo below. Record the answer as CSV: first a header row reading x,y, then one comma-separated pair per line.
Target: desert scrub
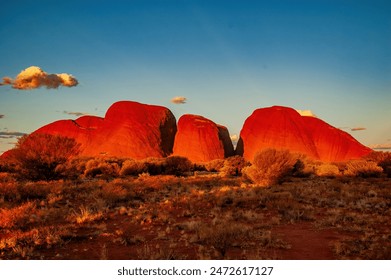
x,y
104,168
37,156
363,168
233,166
17,217
85,215
327,170
133,168
223,235
177,165
270,167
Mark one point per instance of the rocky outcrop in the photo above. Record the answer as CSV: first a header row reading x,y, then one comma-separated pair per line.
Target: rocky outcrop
x,y
333,144
129,129
201,140
284,128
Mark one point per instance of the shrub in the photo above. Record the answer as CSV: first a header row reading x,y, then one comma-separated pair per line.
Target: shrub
x,y
233,166
363,168
155,166
101,167
37,156
327,170
73,168
18,216
214,165
270,166
132,167
176,165
383,159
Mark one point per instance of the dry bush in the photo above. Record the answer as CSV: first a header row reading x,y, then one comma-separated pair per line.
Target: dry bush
x,y
133,167
73,168
17,217
85,215
223,235
101,167
327,170
233,166
363,168
383,159
155,166
270,167
214,165
177,165
114,192
37,156
9,191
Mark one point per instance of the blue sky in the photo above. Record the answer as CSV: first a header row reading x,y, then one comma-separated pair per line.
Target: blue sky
x,y
226,57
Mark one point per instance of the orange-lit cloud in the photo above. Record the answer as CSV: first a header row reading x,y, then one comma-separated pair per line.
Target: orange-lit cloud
x,y
77,114
34,77
179,100
385,146
357,128
10,134
234,138
307,113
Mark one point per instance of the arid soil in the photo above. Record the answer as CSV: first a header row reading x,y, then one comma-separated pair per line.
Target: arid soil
x,y
196,217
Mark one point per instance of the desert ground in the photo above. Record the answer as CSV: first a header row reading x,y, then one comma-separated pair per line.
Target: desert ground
x,y
173,209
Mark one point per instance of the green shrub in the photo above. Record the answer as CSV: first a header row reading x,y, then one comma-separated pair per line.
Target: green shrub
x,y
270,167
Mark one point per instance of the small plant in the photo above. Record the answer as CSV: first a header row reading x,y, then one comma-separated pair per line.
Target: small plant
x,y
102,168
270,167
327,170
233,166
176,165
132,167
85,215
17,217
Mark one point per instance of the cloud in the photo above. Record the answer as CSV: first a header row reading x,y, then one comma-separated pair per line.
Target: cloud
x,y
10,134
357,128
34,77
77,114
179,100
234,138
386,146
2,116
307,113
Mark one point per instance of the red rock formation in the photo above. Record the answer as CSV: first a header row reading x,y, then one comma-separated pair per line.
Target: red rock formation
x,y
129,129
275,127
284,128
201,140
334,144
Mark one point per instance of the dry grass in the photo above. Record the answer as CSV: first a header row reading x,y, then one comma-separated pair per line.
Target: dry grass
x,y
211,216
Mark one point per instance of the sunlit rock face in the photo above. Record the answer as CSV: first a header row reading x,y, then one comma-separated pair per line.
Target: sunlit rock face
x,y
129,129
284,128
201,140
334,144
